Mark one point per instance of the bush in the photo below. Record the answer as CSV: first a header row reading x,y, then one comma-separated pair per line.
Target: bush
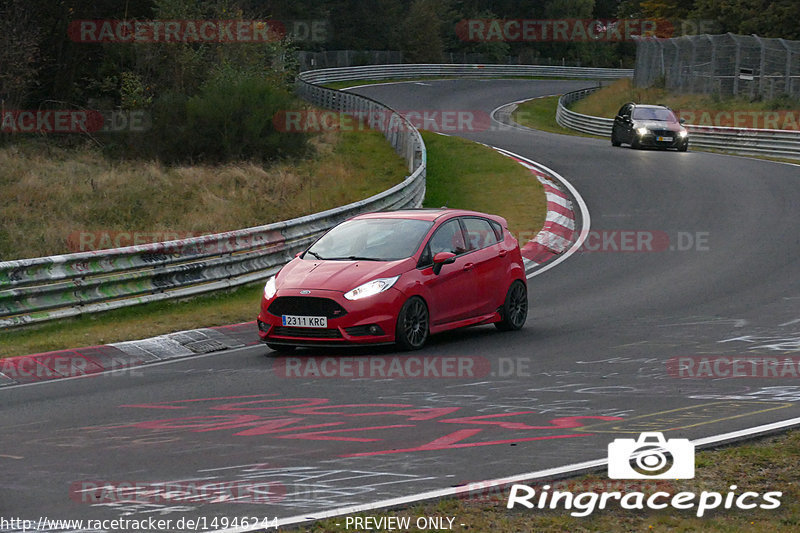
x,y
230,119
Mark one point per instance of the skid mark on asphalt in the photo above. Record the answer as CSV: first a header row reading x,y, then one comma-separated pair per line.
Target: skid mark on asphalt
x,y
687,417
421,429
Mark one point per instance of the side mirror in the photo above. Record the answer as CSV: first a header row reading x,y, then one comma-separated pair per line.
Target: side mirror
x,y
682,121
298,254
441,259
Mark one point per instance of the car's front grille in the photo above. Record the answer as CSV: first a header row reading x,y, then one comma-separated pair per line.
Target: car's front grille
x,y
306,333
306,306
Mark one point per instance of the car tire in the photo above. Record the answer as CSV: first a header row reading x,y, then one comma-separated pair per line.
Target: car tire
x,y
280,348
635,144
515,308
683,147
413,324
614,141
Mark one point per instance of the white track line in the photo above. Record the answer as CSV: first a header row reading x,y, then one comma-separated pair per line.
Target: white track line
x,y
585,218
553,473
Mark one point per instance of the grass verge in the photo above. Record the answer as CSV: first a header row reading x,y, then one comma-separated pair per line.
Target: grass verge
x,y
460,173
463,174
764,465
607,101
540,114
92,202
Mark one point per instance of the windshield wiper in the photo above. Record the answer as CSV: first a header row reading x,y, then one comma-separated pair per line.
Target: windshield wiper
x,y
315,255
355,258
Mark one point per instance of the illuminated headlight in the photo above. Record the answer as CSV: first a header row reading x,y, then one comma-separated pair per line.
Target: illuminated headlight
x,y
270,288
642,131
683,133
371,288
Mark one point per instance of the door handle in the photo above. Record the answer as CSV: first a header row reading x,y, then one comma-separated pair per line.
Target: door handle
x,y
502,253
468,266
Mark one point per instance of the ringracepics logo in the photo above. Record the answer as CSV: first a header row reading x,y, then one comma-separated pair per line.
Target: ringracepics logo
x,y
648,457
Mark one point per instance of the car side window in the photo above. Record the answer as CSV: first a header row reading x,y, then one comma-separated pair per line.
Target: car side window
x,y
448,238
621,112
480,233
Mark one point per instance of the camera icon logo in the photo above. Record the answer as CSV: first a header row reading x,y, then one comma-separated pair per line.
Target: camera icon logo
x,y
651,457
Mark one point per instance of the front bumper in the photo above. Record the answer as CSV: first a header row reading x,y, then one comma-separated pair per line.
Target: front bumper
x,y
655,139
371,320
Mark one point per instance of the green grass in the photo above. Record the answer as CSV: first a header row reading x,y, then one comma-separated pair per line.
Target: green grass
x,y
460,173
540,114
764,465
466,175
95,202
607,101
137,322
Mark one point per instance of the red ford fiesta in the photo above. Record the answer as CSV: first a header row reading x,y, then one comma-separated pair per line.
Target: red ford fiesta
x,y
397,277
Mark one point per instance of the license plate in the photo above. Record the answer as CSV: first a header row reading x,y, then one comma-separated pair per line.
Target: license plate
x,y
665,139
305,321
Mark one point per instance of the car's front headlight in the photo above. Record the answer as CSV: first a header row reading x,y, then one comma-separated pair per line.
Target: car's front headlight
x,y
642,131
371,288
683,133
270,288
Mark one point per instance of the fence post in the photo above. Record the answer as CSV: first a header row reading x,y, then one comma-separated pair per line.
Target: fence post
x,y
788,83
737,63
762,65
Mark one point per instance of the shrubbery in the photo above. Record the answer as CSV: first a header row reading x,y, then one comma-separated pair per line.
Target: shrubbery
x,y
229,119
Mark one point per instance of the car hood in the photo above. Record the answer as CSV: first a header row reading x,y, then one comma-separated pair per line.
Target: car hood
x,y
658,125
337,275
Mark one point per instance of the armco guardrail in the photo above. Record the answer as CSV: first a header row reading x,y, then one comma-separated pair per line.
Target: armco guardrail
x,y
743,141
384,72
46,288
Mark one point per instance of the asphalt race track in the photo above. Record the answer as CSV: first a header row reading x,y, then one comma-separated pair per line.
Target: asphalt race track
x,y
715,273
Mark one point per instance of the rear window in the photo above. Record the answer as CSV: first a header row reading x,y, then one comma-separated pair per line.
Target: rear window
x,y
480,233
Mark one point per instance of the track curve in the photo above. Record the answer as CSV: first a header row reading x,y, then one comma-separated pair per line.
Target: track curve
x,y
589,366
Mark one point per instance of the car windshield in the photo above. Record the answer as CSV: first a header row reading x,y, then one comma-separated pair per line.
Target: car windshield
x,y
654,113
371,239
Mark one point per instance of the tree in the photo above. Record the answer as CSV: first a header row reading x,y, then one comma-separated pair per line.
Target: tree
x,y
19,52
421,34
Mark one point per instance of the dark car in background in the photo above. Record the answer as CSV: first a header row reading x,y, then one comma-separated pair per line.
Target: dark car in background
x,y
641,125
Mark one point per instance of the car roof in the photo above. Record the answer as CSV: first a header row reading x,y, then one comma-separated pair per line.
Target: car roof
x,y
430,214
653,106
